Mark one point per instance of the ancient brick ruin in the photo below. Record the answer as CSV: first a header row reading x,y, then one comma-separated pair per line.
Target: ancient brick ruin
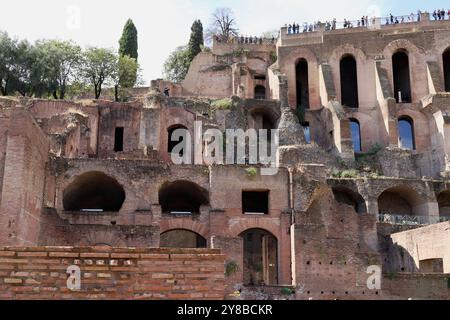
x,y
363,178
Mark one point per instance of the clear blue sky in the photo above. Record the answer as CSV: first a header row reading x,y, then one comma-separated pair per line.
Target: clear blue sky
x,y
164,25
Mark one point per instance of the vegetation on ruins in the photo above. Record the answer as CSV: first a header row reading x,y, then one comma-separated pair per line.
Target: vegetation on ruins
x,y
231,268
177,64
223,24
55,69
99,67
251,172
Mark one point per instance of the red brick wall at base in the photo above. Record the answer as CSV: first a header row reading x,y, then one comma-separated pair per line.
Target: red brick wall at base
x,y
112,273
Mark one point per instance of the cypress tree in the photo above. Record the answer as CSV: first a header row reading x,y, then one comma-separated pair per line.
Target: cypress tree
x,y
129,41
196,41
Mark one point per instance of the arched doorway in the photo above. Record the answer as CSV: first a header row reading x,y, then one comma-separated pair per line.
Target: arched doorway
x,y
406,139
182,239
349,82
260,92
355,129
302,83
94,192
260,265
401,75
351,198
446,62
182,198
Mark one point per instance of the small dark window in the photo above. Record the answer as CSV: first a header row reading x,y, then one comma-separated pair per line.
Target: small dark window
x,y
260,92
255,202
118,140
260,77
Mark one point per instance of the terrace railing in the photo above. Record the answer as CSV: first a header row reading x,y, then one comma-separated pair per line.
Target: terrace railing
x,y
410,220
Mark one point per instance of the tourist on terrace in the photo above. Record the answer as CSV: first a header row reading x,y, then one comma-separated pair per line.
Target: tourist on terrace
x,y
166,92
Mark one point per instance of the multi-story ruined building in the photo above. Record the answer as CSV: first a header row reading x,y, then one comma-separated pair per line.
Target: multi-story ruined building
x,y
363,178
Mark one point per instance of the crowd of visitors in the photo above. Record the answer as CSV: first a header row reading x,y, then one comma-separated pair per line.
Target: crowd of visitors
x,y
441,14
364,22
246,40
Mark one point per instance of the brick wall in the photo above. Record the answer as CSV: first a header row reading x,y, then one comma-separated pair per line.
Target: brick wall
x,y
111,273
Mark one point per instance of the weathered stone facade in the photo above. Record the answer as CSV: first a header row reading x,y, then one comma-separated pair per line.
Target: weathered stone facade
x,y
98,173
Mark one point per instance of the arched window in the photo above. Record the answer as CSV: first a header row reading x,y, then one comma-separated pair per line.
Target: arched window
x,y
446,58
260,92
182,198
94,192
402,82
172,144
356,135
302,83
349,82
406,133
182,239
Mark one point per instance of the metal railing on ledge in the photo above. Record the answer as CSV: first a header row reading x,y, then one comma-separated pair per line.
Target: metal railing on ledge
x,y
241,39
410,220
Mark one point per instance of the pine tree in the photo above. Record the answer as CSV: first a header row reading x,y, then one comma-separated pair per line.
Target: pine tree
x,y
129,41
196,41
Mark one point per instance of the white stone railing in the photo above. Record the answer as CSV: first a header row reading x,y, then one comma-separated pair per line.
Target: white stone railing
x,y
410,220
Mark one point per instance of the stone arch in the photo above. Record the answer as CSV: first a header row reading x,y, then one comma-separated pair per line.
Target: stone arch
x,y
103,238
349,197
254,223
420,125
182,197
400,200
289,69
94,190
182,238
350,79
416,57
184,224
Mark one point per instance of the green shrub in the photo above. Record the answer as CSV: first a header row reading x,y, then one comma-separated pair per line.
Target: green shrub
x,y
287,291
251,172
349,174
222,104
231,268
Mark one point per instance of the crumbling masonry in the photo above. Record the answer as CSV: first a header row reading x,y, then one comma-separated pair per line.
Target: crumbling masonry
x,y
364,176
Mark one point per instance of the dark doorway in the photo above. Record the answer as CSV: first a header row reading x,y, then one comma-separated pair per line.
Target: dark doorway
x,y
182,239
260,258
255,202
349,82
446,58
302,83
402,81
118,139
94,191
182,198
260,92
